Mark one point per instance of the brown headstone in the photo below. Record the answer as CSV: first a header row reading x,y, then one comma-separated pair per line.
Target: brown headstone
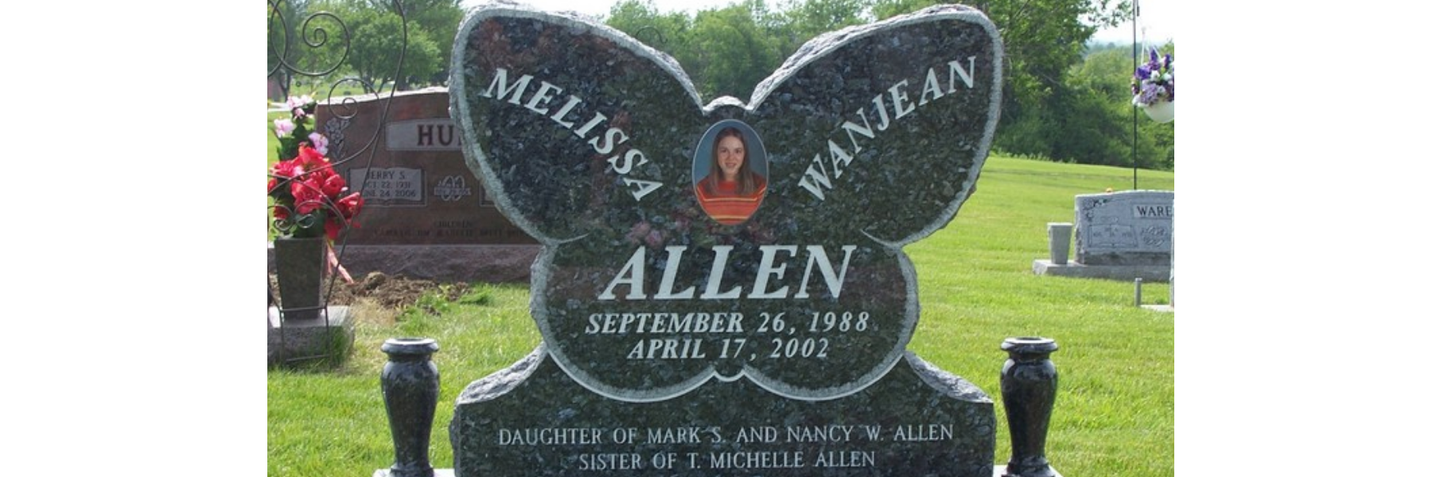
x,y
425,213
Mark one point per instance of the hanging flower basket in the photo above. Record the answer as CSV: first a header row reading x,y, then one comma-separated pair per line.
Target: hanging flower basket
x,y
1154,87
1161,112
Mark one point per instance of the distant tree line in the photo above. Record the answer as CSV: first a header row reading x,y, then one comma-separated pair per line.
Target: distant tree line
x,y
1063,100
375,36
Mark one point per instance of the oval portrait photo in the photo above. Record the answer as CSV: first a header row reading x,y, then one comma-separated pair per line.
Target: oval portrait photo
x,y
730,171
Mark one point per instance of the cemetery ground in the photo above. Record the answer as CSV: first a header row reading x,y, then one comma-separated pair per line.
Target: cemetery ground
x,y
1114,414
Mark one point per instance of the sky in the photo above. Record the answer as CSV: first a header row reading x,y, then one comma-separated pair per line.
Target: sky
x,y
1154,26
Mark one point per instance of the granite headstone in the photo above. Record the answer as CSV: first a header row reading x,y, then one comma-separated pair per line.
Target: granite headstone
x,y
426,215
722,288
1131,228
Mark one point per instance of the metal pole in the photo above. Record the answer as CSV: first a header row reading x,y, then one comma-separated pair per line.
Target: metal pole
x,y
1134,111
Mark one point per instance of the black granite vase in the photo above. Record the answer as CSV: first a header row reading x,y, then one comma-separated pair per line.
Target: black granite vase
x,y
299,267
411,385
1027,384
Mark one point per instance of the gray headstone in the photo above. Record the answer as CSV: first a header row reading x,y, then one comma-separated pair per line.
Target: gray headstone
x,y
1124,228
714,324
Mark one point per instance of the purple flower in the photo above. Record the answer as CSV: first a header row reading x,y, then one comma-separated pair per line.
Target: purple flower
x,y
1150,93
319,142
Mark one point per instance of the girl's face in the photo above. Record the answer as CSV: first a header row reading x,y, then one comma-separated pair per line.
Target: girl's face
x,y
731,157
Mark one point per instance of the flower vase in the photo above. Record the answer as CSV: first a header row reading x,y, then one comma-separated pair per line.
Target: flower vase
x,y
1161,111
300,271
1027,385
410,384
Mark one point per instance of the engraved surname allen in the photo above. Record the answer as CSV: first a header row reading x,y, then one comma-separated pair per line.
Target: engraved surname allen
x,y
774,263
924,432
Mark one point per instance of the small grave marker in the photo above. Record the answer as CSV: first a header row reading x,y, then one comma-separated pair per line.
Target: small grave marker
x,y
1119,236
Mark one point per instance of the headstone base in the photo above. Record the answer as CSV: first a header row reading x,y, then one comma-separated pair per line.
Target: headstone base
x,y
484,263
310,339
440,473
999,472
1150,273
532,419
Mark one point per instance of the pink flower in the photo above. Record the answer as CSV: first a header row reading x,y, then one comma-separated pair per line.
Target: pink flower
x,y
319,142
283,127
298,101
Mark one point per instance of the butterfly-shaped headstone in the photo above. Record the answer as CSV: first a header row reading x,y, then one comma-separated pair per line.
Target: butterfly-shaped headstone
x,y
865,140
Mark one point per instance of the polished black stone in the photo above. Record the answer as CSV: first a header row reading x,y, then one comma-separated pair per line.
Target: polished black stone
x,y
703,335
875,136
1027,384
533,420
410,384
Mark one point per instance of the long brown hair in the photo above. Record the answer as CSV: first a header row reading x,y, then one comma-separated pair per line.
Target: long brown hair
x,y
749,180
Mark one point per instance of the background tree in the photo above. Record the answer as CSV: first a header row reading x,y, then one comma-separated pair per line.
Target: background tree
x,y
1058,103
302,41
379,38
439,20
807,19
1043,40
731,52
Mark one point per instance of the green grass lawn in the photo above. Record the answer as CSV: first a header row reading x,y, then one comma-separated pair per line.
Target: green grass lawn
x,y
1115,413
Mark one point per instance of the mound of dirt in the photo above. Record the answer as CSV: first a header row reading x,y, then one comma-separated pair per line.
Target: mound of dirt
x,y
384,291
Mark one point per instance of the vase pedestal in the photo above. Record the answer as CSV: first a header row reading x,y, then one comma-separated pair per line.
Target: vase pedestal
x,y
438,473
410,385
329,336
1028,384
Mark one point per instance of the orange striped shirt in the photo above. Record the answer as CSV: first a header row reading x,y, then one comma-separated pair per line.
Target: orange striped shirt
x,y
726,206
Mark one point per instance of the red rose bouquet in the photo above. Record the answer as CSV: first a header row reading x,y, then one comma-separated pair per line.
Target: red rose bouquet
x,y
309,199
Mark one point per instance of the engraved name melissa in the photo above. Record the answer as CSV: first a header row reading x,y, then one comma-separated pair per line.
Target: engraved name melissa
x,y
569,115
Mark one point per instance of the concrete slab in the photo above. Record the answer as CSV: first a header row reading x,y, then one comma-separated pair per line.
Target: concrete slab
x,y
316,338
1000,471
438,473
1149,273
